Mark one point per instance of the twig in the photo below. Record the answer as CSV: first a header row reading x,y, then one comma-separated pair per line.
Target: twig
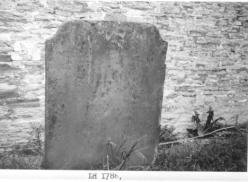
x,y
126,157
107,162
207,134
215,131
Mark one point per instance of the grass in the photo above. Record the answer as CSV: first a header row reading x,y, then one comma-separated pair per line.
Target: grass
x,y
20,161
226,152
27,156
220,153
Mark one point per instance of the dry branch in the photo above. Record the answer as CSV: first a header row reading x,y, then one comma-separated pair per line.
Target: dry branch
x,y
119,167
207,134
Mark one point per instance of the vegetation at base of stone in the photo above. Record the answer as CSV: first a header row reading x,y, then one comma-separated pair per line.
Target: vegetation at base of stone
x,y
35,141
26,156
167,134
225,152
201,128
15,160
117,156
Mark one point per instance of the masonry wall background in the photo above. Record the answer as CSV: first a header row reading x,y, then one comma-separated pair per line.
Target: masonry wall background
x,y
207,57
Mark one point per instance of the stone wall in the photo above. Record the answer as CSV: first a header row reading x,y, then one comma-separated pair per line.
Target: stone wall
x,y
206,59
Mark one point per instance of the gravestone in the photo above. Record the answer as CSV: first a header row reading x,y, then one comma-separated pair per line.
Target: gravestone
x,y
104,89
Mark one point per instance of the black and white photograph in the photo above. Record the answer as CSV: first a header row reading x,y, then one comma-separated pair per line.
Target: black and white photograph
x,y
123,86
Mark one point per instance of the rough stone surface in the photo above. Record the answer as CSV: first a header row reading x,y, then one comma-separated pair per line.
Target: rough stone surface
x,y
206,58
104,83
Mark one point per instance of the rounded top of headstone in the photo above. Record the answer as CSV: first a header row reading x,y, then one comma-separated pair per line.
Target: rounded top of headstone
x,y
108,26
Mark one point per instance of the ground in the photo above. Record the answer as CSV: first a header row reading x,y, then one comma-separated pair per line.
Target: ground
x,y
225,151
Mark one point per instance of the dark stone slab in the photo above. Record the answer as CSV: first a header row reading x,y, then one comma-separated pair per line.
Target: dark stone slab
x,y
104,87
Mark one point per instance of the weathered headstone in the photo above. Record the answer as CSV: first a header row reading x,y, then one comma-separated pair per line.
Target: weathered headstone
x,y
104,87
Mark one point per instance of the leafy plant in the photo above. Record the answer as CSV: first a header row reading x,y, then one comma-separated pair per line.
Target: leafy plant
x,y
210,125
